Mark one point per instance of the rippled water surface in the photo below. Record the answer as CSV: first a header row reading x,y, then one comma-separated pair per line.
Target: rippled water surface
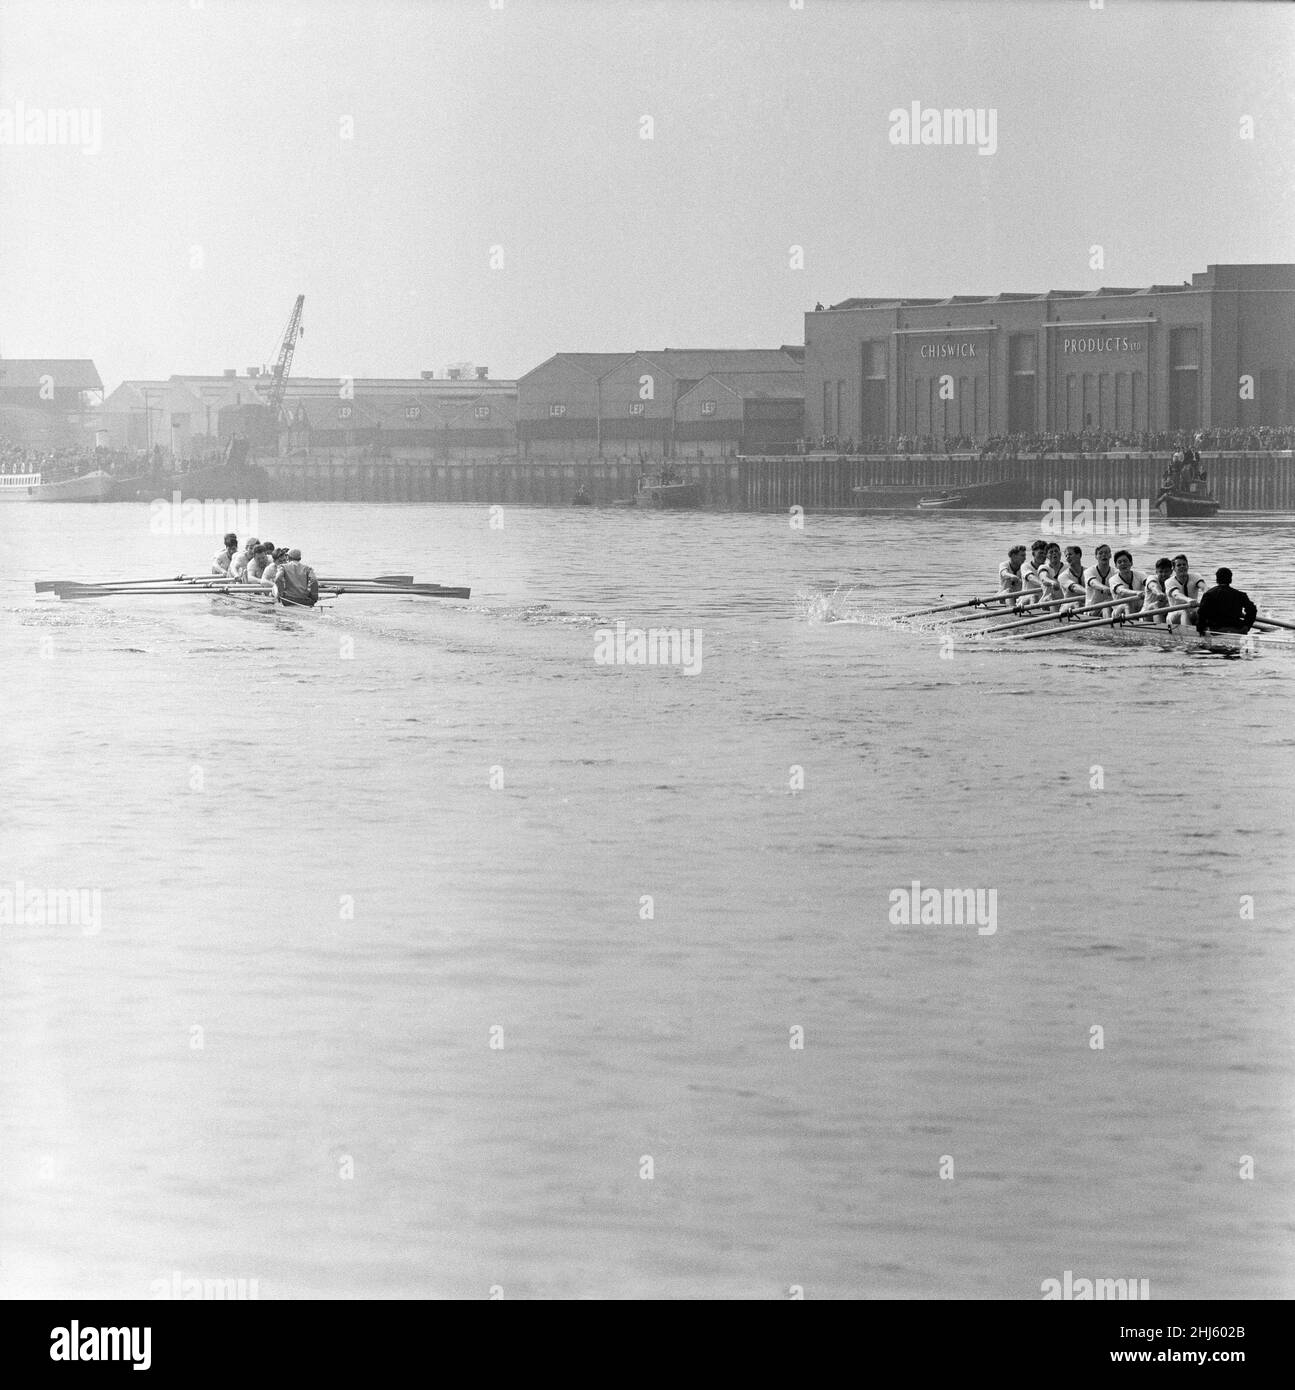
x,y
336,850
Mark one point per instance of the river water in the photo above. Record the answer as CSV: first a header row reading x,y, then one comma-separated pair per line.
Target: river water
x,y
435,956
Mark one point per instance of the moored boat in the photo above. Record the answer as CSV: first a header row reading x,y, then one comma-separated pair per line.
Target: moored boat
x,y
673,495
942,502
928,497
222,480
30,487
1176,503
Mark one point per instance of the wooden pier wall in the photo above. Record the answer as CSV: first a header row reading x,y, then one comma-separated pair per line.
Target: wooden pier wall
x,y
1241,482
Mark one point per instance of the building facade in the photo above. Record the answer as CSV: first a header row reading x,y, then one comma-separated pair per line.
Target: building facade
x,y
586,405
1217,351
730,413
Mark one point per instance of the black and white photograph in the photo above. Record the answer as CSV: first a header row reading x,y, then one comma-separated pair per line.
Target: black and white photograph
x,y
648,654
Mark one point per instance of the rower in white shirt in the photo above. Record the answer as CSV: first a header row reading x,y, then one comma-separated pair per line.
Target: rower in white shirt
x,y
1072,581
1127,583
1030,571
238,563
261,558
272,569
1154,597
1098,578
220,565
1182,589
1046,575
1009,572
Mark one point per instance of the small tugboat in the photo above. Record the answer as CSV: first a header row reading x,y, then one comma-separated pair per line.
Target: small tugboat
x,y
666,490
1187,504
1184,490
942,501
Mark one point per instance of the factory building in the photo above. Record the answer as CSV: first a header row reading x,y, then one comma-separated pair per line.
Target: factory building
x,y
730,413
47,402
467,425
1215,351
584,405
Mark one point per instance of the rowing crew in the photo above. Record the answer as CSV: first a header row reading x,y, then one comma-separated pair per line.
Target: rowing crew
x,y
1065,584
277,569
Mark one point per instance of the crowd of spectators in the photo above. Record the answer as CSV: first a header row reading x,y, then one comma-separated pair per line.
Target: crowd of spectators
x,y
1241,439
50,463
71,461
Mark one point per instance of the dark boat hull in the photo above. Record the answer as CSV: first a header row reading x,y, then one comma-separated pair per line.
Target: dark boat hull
x,y
1187,504
240,484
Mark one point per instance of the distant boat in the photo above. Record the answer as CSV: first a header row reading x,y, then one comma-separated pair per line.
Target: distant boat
x,y
1173,502
661,492
942,502
29,487
1002,492
233,478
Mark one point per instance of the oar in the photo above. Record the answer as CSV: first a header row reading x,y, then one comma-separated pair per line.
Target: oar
x,y
1274,622
377,579
1033,608
969,603
398,591
1108,622
1071,613
45,586
116,591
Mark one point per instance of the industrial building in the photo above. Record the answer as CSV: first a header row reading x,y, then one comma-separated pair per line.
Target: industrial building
x,y
585,405
729,413
47,401
1215,351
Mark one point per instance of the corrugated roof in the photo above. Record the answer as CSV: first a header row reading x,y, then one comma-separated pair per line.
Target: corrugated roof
x,y
596,364
754,384
69,373
888,303
699,362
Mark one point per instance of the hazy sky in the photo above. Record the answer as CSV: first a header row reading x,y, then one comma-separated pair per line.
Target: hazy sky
x,y
520,128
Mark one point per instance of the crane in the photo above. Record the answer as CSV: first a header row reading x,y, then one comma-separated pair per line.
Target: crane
x,y
284,365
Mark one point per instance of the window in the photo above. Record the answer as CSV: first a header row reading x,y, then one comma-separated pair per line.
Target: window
x,y
872,397
1022,359
827,407
1184,378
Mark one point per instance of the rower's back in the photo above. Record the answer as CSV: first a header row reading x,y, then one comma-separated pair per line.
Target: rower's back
x,y
297,583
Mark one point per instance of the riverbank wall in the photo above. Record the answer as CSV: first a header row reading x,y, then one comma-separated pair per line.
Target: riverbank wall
x,y
1241,481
